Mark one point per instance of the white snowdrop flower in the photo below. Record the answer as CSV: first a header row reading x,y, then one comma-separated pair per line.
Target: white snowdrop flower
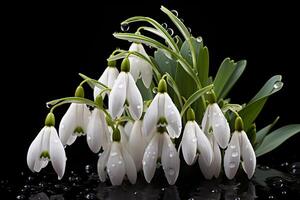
x,y
97,131
116,162
162,110
137,144
74,122
214,122
128,127
194,140
239,148
139,66
47,147
161,147
214,168
108,78
124,90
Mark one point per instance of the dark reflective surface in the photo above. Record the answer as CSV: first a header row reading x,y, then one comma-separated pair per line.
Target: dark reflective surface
x,y
84,184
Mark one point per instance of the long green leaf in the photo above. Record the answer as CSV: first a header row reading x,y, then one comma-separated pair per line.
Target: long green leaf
x,y
174,86
66,100
92,82
145,92
250,112
194,97
260,135
203,65
276,138
239,68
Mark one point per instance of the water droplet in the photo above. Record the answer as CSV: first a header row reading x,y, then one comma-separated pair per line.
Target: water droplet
x,y
278,85
164,25
139,107
144,162
171,172
125,27
283,192
217,125
234,154
194,140
170,31
232,146
56,141
169,145
237,198
21,196
171,155
154,90
120,162
189,29
120,86
167,62
231,165
90,196
270,197
162,189
175,12
199,39
294,169
263,167
135,193
113,165
88,169
113,154
153,152
48,105
62,126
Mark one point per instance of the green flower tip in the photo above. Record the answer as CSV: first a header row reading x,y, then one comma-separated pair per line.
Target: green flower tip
x,y
162,86
50,119
99,101
116,135
190,115
211,97
125,66
79,92
111,63
239,124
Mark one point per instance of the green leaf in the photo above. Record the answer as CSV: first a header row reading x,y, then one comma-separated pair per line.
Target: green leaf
x,y
174,86
250,112
145,92
164,63
238,71
231,107
92,82
227,75
276,138
260,135
203,65
194,97
65,100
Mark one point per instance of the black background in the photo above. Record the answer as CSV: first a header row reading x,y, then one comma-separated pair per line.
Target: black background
x,y
46,44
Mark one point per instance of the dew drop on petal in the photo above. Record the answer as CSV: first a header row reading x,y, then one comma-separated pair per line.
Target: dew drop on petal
x,y
113,165
139,107
232,146
120,86
120,162
62,126
171,172
232,165
144,162
217,125
234,154
113,154
88,138
194,140
171,155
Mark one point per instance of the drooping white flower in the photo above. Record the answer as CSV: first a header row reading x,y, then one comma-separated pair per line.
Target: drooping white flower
x,y
128,127
125,89
97,131
137,144
214,168
163,109
47,147
194,139
74,122
116,162
108,78
162,147
239,148
214,122
139,66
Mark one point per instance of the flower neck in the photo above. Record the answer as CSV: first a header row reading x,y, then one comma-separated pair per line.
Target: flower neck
x,y
116,135
79,92
162,86
190,115
111,63
211,97
50,120
125,66
239,125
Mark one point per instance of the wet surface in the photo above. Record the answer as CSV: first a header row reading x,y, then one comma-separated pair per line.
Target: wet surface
x,y
268,183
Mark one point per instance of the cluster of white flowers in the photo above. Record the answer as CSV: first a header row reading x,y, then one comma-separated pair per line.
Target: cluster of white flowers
x,y
148,137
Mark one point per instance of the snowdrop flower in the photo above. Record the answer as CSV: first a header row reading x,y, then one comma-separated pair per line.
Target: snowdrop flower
x,y
74,122
47,147
108,78
194,140
214,168
214,122
116,162
161,147
162,110
97,129
139,66
124,90
239,148
137,144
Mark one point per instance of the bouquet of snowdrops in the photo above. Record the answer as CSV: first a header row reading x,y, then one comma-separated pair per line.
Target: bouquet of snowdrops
x,y
147,109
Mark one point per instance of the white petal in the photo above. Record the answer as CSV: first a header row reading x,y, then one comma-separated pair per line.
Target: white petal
x,y
124,139
34,150
232,156
248,155
146,69
173,117
103,79
101,164
206,120
117,96
134,62
82,117
67,124
151,117
204,145
115,165
137,144
96,131
129,166
189,143
150,158
134,99
127,128
170,160
112,76
220,126
57,154
217,159
71,139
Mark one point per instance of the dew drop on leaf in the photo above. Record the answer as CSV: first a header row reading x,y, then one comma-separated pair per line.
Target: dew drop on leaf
x,y
175,12
125,27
